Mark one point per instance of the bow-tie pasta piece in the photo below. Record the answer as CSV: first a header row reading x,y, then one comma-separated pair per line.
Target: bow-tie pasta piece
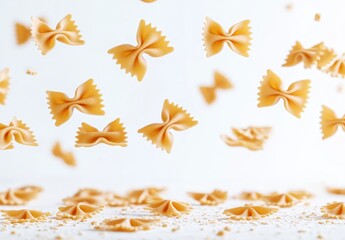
x,y
149,41
295,97
98,201
173,117
300,194
145,195
24,215
283,200
19,196
66,31
87,99
126,224
326,58
249,212
28,192
337,67
89,192
334,210
113,134
237,38
4,84
220,82
214,198
330,122
67,157
23,33
15,131
308,56
114,200
250,196
78,211
169,208
337,191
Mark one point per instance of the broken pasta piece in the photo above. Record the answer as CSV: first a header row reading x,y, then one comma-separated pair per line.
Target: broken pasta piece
x,y
113,134
45,37
150,41
87,99
173,117
4,84
334,210
169,208
249,212
295,97
67,157
24,215
78,211
126,224
214,198
220,82
237,38
330,122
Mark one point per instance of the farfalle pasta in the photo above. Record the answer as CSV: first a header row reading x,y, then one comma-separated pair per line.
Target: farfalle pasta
x,y
214,198
149,41
249,212
295,97
4,84
330,122
87,99
78,211
98,201
16,131
337,67
67,157
169,208
113,134
24,215
307,56
114,200
337,191
283,199
335,210
220,82
144,195
23,33
19,196
126,224
250,196
237,38
45,37
326,58
173,117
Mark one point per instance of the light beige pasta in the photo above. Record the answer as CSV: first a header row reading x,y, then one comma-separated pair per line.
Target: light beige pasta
x,y
334,210
169,208
67,157
126,224
249,212
78,211
24,215
216,197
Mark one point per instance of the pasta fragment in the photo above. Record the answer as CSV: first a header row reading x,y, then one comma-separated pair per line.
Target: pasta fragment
x,y
28,193
307,56
16,131
283,199
334,210
214,198
330,122
337,67
24,215
113,134
252,138
45,37
78,211
87,99
337,191
4,84
249,212
220,82
317,17
126,224
67,157
327,56
144,195
237,38
169,208
149,41
173,117
295,97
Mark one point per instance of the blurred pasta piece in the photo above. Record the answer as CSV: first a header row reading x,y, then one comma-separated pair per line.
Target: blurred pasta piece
x,y
337,191
337,67
220,82
216,197
330,122
250,196
126,224
148,1
31,72
144,195
24,215
67,157
283,199
335,210
249,212
169,208
4,84
19,196
78,211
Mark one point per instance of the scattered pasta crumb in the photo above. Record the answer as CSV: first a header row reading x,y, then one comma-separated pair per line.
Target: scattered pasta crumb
x,y
31,72
317,17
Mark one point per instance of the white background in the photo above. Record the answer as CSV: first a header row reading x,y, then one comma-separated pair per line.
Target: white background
x,y
294,156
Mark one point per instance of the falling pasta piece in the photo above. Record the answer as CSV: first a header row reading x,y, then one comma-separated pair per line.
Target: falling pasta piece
x,y
169,208
251,196
220,82
251,138
126,224
326,58
150,41
45,37
113,134
337,191
295,97
330,122
237,38
337,67
4,84
173,117
249,212
67,157
19,196
114,200
308,56
317,17
334,210
87,99
15,131
214,198
282,199
24,215
28,192
145,195
78,211
31,72
23,33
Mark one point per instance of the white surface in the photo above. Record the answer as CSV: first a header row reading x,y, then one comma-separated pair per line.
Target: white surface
x,y
294,156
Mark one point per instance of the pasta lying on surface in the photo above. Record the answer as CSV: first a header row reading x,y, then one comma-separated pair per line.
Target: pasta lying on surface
x,y
149,41
169,208
45,37
249,212
334,210
330,122
24,215
144,195
173,117
237,38
126,224
214,198
220,82
19,196
15,131
307,56
295,97
251,196
4,84
87,99
113,134
67,157
78,211
337,191
283,199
